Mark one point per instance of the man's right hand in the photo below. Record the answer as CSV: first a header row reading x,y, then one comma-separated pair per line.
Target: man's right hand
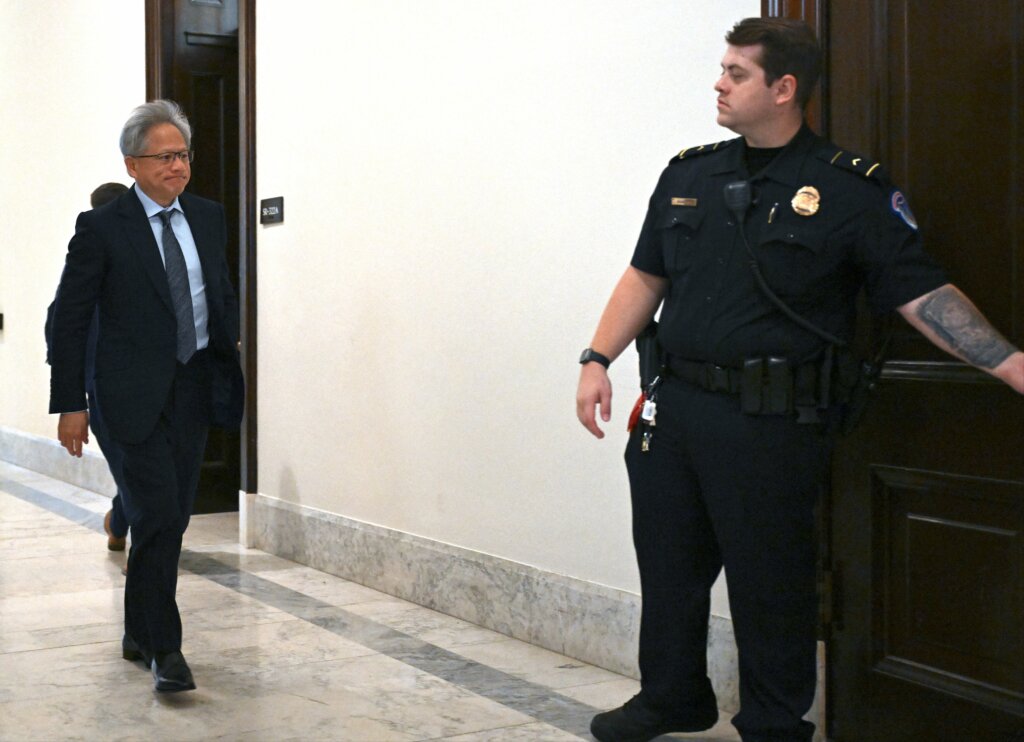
x,y
73,431
631,306
594,390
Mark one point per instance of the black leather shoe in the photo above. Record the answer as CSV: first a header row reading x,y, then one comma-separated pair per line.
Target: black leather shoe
x,y
132,651
634,721
171,673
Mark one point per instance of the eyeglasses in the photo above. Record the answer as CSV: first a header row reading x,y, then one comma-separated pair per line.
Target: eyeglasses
x,y
166,158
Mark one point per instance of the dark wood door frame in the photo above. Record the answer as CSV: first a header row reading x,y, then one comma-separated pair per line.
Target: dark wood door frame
x,y
814,14
159,24
907,505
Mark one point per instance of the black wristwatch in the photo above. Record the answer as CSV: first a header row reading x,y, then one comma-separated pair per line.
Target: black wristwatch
x,y
592,355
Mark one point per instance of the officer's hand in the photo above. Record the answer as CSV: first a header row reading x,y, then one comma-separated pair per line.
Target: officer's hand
x,y
594,389
1012,371
73,431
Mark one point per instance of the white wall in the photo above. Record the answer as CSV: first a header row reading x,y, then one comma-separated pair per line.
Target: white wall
x,y
463,183
70,72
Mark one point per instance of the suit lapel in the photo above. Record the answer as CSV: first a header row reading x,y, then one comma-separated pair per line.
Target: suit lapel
x,y
140,236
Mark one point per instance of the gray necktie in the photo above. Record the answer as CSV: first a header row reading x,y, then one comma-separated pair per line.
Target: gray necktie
x,y
181,292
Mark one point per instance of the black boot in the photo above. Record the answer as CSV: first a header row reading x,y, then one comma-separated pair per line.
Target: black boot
x,y
634,721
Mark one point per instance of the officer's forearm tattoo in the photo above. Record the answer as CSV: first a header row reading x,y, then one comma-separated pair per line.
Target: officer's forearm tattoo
x,y
965,330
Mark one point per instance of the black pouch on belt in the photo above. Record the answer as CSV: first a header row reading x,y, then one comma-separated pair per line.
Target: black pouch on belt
x,y
752,386
766,387
779,389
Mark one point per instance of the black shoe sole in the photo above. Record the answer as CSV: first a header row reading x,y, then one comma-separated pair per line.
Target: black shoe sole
x,y
167,686
607,732
650,734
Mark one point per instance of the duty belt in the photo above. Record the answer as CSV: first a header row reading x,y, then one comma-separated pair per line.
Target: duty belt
x,y
707,375
766,386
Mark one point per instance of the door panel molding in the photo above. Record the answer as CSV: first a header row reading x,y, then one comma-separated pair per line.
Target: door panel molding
x,y
943,540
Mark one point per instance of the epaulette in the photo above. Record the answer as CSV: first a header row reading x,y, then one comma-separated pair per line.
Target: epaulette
x,y
863,166
704,149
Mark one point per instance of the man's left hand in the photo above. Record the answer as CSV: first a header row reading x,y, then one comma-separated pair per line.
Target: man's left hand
x,y
1012,371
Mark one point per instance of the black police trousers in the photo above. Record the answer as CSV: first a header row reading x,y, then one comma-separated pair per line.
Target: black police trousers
x,y
719,488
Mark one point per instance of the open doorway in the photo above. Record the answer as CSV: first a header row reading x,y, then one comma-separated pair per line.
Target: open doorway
x,y
201,54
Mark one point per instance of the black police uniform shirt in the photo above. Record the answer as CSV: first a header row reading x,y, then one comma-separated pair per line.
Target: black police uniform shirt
x,y
861,234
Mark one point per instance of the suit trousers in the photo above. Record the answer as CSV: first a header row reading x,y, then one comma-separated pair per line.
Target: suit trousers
x,y
115,460
721,488
161,475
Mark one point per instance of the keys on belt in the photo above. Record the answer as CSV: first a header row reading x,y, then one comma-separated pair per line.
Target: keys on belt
x,y
645,413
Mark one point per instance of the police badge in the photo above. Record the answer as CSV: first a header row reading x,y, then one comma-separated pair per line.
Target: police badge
x,y
806,201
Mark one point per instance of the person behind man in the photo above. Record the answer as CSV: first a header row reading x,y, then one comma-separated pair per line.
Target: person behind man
x,y
167,364
728,471
114,522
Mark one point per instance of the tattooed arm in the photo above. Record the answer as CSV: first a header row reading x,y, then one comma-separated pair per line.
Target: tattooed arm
x,y
949,319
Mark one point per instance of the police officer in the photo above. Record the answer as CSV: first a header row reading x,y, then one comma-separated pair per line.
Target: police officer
x,y
755,249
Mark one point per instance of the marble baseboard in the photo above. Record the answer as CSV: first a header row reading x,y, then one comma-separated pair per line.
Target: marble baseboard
x,y
47,456
586,621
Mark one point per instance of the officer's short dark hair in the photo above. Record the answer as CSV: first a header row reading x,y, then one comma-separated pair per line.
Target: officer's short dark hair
x,y
106,192
789,47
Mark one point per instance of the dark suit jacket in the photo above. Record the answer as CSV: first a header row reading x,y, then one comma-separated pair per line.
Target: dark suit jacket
x,y
113,262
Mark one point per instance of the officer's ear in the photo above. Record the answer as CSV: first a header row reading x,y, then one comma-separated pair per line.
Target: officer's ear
x,y
785,90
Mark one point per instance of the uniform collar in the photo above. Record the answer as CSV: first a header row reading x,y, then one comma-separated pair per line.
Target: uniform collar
x,y
786,166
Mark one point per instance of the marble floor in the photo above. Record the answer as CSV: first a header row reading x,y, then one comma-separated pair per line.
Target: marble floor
x,y
279,651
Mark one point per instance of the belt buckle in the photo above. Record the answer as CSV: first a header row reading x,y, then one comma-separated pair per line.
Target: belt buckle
x,y
717,378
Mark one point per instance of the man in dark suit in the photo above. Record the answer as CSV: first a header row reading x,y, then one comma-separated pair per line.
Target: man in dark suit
x,y
114,522
166,361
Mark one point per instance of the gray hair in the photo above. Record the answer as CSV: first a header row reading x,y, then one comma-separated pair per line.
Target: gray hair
x,y
145,117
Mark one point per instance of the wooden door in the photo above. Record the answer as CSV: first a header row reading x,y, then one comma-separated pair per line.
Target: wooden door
x,y
926,542
194,61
